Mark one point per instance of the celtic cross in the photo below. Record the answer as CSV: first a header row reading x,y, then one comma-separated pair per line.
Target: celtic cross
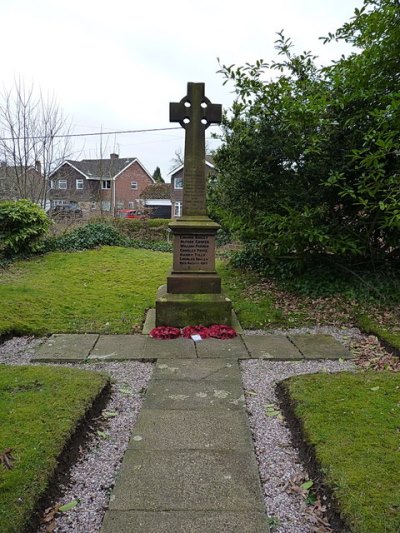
x,y
195,113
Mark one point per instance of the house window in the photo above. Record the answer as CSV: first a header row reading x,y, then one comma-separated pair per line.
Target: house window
x,y
62,184
106,184
52,184
134,185
131,205
79,184
178,183
106,206
120,205
178,209
93,206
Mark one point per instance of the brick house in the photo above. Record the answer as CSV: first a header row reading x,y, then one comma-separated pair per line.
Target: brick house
x,y
156,200
18,182
99,185
177,187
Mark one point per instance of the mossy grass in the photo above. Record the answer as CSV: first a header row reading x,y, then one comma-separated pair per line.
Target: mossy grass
x,y
40,407
352,422
105,290
370,326
253,310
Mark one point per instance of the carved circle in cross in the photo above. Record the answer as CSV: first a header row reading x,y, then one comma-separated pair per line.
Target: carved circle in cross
x,y
205,103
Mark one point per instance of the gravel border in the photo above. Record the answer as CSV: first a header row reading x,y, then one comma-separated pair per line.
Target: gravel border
x,y
92,477
278,459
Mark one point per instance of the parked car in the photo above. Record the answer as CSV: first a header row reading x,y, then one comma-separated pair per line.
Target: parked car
x,y
131,213
65,211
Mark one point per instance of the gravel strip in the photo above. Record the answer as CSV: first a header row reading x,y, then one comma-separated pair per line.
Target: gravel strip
x,y
278,460
93,476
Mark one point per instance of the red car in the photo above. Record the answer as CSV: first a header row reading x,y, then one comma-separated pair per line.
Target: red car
x,y
130,213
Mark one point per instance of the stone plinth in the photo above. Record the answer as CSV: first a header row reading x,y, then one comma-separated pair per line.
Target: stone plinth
x,y
193,270
186,309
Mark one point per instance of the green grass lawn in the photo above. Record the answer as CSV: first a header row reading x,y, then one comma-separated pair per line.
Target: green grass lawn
x,y
95,291
106,290
352,420
256,309
39,410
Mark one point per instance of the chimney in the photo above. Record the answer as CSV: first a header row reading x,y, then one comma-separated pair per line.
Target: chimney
x,y
38,167
114,156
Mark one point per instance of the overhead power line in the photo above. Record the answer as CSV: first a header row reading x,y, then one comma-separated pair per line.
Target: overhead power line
x,y
68,135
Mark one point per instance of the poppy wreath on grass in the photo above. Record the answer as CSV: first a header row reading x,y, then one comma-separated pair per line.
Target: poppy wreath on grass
x,y
220,331
195,330
165,332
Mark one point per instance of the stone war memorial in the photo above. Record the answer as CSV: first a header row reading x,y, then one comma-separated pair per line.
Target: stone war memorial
x,y
193,294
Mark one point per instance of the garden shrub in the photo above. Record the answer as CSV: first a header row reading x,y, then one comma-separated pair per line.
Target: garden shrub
x,y
22,226
154,229
100,234
86,237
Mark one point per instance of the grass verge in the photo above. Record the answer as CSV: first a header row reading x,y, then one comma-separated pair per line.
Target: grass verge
x,y
40,408
255,308
105,290
389,338
350,423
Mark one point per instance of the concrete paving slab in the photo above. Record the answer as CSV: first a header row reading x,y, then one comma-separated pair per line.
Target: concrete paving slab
x,y
196,369
65,347
320,347
194,395
169,349
226,348
222,429
119,347
277,347
184,522
187,480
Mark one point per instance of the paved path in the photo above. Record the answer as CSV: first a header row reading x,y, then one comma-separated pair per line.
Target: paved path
x,y
190,464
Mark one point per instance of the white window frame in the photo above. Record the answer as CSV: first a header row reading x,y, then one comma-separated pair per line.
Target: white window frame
x,y
52,184
134,185
177,209
180,181
131,205
63,182
104,185
93,206
79,184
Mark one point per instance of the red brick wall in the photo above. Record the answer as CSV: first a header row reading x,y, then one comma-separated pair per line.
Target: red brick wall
x,y
88,193
123,191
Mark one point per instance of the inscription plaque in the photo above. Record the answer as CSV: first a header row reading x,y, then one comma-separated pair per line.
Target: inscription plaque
x,y
194,252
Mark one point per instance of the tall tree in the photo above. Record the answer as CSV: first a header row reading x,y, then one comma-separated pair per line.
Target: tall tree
x,y
32,136
310,161
157,176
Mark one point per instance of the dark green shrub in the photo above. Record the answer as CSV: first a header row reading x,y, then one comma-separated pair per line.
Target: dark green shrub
x,y
86,237
22,226
100,234
154,229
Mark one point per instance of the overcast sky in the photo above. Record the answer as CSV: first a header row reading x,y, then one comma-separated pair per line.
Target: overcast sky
x,y
117,65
